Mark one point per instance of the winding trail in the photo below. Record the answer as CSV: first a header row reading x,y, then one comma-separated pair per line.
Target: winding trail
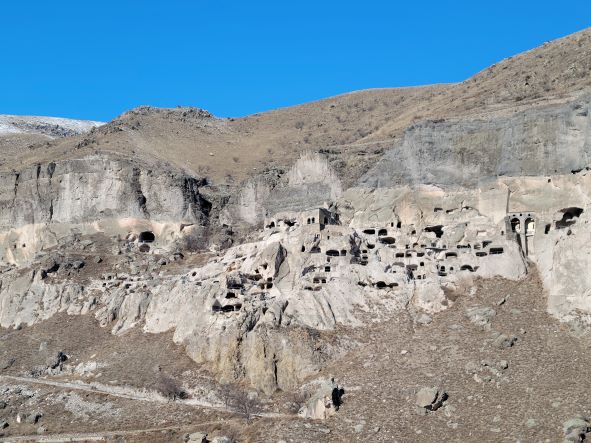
x,y
131,394
101,436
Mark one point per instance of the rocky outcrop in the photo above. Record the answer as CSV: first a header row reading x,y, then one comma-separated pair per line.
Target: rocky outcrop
x,y
453,200
41,204
324,401
263,311
465,152
310,183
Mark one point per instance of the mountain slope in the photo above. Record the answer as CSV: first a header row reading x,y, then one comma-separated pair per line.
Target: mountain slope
x,y
49,126
229,150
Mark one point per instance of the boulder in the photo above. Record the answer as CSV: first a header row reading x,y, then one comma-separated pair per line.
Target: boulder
x,y
576,429
5,364
197,437
480,316
324,402
78,264
57,361
431,399
504,341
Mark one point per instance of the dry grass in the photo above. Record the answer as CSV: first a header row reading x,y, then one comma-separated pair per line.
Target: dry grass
x,y
344,126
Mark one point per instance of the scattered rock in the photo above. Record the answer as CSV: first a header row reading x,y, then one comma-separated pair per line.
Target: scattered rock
x,y
576,429
7,363
503,364
222,439
430,399
98,259
324,402
49,266
32,418
504,341
86,243
78,264
423,319
3,424
480,316
197,437
58,360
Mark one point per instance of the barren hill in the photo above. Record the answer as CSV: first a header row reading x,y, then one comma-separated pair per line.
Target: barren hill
x,y
387,264
355,125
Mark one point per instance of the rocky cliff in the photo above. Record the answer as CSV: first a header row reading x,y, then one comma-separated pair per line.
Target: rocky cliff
x,y
463,152
41,205
253,241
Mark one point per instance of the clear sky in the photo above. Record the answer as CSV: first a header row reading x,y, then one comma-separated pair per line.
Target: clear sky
x,y
94,60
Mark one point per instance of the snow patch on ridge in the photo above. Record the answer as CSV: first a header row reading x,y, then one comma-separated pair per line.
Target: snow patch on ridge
x,y
50,126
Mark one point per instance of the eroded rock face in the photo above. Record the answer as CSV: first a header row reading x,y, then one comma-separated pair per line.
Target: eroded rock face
x,y
43,204
464,152
455,201
257,311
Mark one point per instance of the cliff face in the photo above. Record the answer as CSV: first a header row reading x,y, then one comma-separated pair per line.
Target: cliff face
x,y
463,152
39,205
255,266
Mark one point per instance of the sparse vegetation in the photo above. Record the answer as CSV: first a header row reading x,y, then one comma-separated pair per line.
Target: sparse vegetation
x,y
296,400
171,388
246,404
240,401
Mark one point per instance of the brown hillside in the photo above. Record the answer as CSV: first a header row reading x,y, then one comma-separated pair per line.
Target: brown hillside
x,y
354,126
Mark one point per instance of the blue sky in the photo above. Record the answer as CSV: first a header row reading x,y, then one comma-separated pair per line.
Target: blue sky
x,y
94,60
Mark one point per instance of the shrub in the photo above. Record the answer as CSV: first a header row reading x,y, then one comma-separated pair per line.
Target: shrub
x,y
170,388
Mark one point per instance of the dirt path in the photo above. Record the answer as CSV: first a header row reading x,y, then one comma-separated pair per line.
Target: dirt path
x,y
130,393
101,436
97,389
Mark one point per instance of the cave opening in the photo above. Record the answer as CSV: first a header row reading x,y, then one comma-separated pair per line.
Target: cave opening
x,y
146,237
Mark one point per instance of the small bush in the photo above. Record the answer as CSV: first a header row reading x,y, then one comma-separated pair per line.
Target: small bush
x,y
170,388
245,404
239,401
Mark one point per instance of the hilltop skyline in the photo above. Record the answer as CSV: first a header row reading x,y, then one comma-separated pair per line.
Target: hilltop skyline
x,y
81,62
